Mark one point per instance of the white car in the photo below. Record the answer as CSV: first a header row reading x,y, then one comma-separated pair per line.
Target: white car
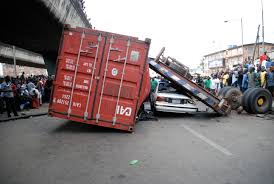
x,y
167,99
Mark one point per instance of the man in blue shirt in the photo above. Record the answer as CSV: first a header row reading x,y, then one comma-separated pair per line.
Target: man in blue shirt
x,y
270,80
269,63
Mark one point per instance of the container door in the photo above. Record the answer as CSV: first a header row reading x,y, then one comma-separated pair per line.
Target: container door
x,y
78,68
120,80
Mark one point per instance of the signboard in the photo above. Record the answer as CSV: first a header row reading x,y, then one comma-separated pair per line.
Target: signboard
x,y
216,63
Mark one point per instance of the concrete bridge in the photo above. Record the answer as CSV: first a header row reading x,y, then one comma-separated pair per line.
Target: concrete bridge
x,y
36,26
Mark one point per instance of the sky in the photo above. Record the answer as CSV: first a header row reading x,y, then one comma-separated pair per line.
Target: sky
x,y
188,29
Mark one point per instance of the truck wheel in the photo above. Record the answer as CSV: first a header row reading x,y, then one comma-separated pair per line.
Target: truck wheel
x,y
223,90
260,101
245,99
233,96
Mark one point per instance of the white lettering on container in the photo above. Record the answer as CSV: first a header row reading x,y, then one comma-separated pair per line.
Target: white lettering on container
x,y
70,67
67,84
79,86
86,81
62,102
69,61
67,77
76,104
121,110
86,64
67,97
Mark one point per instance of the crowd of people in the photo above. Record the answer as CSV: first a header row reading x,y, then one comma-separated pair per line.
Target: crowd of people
x,y
243,77
23,92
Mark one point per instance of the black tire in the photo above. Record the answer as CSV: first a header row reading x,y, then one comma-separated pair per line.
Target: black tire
x,y
233,96
245,100
223,90
260,101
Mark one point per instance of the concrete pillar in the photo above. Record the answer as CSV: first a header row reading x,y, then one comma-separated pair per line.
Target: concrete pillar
x,y
50,65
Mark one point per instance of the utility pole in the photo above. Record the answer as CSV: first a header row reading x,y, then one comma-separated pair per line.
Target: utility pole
x,y
242,40
255,45
263,24
14,61
242,36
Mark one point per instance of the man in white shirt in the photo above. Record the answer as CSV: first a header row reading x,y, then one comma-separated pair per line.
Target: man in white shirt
x,y
215,84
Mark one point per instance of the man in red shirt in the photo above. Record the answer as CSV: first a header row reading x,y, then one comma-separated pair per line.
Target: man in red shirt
x,y
263,57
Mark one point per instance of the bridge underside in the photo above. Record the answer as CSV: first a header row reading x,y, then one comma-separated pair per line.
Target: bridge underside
x,y
30,25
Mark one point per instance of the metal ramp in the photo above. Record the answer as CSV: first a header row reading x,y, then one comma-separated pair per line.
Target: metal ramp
x,y
179,75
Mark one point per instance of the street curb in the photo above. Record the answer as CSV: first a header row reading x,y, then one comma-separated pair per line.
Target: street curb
x,y
23,117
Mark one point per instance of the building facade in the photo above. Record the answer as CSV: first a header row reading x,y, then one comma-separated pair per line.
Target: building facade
x,y
8,69
231,57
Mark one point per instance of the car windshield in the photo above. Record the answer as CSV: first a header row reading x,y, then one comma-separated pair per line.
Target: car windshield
x,y
166,88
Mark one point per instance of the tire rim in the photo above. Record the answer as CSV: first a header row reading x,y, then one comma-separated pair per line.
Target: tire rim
x,y
260,101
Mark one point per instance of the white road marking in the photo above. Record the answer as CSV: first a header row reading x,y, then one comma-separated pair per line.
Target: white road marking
x,y
208,141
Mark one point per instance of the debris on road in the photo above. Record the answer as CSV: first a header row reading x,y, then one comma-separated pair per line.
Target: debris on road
x,y
133,162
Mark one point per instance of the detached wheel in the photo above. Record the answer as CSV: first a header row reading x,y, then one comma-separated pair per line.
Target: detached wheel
x,y
245,99
223,90
260,101
233,96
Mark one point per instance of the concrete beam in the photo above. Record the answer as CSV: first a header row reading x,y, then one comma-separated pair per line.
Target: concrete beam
x,y
23,57
67,12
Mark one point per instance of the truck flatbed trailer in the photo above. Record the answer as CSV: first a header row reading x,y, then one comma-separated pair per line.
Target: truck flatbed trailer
x,y
178,74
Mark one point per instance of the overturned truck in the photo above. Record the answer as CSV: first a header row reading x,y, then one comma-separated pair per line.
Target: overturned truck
x,y
102,79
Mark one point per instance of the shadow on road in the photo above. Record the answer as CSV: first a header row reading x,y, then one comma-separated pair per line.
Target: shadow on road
x,y
198,115
71,127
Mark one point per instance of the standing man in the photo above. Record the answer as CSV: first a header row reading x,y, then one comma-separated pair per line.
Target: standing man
x,y
234,78
225,79
270,80
240,77
263,57
1,96
245,80
263,77
9,96
251,77
208,83
215,83
153,83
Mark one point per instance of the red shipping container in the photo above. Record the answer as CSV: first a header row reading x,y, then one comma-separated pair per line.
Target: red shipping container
x,y
101,78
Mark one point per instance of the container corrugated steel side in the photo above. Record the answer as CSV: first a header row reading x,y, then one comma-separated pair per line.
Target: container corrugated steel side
x,y
101,78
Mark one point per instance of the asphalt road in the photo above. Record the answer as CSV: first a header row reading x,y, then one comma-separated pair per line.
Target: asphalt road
x,y
186,149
